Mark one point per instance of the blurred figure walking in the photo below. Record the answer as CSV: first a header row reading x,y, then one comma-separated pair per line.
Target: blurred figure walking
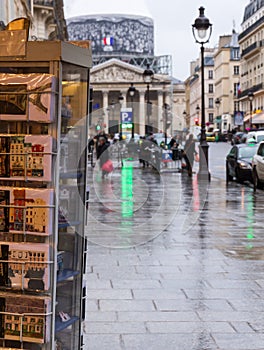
x,y
189,152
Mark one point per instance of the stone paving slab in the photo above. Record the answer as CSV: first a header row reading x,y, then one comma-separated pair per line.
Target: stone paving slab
x,y
199,285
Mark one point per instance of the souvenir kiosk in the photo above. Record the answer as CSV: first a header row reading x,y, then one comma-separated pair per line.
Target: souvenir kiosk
x,y
43,131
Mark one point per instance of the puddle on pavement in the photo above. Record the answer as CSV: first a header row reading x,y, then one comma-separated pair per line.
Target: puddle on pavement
x,y
236,211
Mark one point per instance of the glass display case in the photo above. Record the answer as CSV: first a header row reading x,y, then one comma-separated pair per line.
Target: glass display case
x,y
43,137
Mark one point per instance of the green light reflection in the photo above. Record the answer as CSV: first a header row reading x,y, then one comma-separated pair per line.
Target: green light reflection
x,y
127,190
250,219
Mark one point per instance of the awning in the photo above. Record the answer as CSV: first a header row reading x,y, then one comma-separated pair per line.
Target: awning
x,y
258,118
218,119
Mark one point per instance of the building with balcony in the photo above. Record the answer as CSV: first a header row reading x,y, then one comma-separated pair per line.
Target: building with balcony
x,y
251,41
49,22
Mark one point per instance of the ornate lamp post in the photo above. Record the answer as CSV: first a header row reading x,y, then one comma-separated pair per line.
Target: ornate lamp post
x,y
166,123
120,100
202,30
217,105
251,98
148,77
131,92
185,120
197,119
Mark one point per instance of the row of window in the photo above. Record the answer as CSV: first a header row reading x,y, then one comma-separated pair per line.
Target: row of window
x,y
211,72
25,319
211,86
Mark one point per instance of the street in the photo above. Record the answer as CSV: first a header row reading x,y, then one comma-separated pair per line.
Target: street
x,y
174,263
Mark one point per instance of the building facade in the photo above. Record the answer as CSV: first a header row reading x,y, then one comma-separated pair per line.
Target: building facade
x,y
46,17
112,79
123,47
194,88
251,41
49,22
227,79
9,10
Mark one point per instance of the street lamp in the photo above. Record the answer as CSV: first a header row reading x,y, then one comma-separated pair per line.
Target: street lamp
x,y
202,30
197,112
120,99
250,97
217,102
166,124
111,113
186,121
148,77
131,92
217,105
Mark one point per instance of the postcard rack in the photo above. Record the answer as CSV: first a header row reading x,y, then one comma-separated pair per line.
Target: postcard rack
x,y
43,136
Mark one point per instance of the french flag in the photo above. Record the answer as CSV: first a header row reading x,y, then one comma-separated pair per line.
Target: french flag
x,y
109,41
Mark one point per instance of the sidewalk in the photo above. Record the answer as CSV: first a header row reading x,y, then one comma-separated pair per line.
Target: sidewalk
x,y
184,270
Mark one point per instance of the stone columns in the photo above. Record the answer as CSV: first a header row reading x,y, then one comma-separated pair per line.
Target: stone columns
x,y
124,94
142,116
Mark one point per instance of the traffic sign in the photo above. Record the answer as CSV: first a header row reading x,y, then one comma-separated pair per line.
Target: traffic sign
x,y
166,156
126,115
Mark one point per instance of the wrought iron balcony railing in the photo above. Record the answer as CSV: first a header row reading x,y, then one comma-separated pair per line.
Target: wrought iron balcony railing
x,y
48,3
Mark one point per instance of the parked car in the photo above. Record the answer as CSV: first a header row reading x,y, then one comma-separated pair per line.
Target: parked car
x,y
239,162
258,167
257,135
210,136
238,137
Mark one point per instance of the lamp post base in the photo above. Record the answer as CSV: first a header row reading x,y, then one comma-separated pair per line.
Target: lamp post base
x,y
203,173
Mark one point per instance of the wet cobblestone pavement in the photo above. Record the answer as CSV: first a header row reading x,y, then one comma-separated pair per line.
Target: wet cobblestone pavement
x,y
181,269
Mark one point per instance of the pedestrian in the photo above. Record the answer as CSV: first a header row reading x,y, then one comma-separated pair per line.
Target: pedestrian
x,y
103,153
189,152
172,142
144,154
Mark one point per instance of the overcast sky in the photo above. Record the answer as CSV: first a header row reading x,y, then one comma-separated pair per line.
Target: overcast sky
x,y
172,22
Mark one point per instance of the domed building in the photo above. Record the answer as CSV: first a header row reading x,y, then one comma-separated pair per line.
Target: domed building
x,y
122,47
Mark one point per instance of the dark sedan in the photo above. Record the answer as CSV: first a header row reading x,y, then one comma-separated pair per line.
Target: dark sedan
x,y
238,137
239,162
